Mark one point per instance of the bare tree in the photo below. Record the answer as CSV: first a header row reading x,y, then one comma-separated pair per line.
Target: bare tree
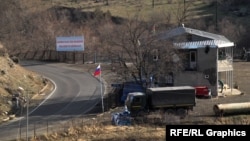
x,y
181,10
17,27
11,22
160,20
138,53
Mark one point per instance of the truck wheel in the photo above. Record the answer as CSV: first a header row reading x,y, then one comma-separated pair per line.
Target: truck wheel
x,y
170,112
182,113
141,116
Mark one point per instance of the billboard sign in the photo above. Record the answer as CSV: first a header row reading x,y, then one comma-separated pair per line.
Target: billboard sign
x,y
73,43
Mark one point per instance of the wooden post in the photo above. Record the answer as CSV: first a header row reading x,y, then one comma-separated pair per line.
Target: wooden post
x,y
83,58
47,128
20,132
74,57
34,131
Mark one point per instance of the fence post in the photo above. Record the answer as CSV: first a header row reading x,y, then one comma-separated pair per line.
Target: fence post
x,y
74,57
47,128
57,56
50,58
66,56
20,132
83,58
34,130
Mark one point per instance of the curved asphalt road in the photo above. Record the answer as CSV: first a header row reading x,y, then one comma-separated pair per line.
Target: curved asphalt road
x,y
76,93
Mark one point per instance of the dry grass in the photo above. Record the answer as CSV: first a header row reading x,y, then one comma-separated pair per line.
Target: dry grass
x,y
100,129
107,133
238,120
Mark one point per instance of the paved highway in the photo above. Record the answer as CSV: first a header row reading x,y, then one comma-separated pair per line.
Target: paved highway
x,y
75,94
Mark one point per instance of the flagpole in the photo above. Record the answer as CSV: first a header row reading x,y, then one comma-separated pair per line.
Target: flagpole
x,y
101,91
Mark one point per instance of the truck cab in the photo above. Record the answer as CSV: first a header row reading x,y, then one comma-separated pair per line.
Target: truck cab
x,y
135,102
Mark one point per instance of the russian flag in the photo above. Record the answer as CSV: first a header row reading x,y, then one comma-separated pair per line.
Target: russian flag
x,y
97,70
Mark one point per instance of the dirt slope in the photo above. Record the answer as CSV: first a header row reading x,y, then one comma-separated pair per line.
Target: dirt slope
x,y
15,83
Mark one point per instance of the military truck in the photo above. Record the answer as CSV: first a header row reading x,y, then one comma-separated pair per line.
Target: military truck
x,y
176,100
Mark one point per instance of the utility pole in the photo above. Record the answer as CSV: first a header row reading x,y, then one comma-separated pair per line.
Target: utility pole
x,y
216,15
27,117
27,112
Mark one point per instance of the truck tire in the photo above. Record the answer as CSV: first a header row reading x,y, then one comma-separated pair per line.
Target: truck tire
x,y
141,116
170,111
182,113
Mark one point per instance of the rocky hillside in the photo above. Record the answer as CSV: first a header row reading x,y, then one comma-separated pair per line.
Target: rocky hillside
x,y
15,83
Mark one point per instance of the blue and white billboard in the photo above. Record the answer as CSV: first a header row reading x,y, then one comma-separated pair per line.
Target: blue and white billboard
x,y
73,43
